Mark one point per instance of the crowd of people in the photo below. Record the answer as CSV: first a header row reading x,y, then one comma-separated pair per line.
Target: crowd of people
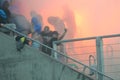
x,y
48,37
45,36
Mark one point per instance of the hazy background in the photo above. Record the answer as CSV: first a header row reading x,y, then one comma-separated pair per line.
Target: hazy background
x,y
83,18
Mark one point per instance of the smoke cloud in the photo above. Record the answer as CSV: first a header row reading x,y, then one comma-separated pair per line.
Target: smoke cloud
x,y
83,18
57,23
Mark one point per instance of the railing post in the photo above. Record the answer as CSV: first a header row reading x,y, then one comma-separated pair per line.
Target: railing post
x,y
55,48
100,57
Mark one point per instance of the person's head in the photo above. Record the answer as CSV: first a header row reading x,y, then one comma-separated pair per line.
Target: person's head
x,y
46,29
55,34
6,5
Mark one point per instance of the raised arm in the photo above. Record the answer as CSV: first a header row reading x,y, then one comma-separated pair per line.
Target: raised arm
x,y
62,36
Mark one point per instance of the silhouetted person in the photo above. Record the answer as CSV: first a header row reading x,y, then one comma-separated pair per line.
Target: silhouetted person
x,y
5,18
46,35
56,37
37,26
36,36
5,8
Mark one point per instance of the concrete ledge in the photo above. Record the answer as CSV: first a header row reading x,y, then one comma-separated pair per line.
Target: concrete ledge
x,y
32,64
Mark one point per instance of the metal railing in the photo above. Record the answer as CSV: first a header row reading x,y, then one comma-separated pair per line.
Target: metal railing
x,y
85,69
100,47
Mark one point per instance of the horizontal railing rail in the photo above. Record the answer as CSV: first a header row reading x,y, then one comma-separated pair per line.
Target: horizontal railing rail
x,y
88,38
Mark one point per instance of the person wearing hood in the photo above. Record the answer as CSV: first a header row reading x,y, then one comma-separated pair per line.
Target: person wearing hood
x,y
37,26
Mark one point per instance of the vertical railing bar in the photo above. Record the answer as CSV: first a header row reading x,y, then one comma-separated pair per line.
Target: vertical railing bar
x,y
100,57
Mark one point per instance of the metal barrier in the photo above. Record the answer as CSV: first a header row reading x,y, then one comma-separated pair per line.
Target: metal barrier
x,y
80,66
104,48
112,57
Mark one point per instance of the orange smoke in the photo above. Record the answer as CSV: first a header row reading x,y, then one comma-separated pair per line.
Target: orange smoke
x,y
88,18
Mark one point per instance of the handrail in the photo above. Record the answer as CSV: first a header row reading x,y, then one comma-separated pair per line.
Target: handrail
x,y
59,52
88,38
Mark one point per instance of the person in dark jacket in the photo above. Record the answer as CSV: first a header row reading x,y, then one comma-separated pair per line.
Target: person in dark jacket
x,y
5,18
5,8
56,37
46,35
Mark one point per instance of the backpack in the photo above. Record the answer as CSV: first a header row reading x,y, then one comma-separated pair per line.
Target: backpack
x,y
21,41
